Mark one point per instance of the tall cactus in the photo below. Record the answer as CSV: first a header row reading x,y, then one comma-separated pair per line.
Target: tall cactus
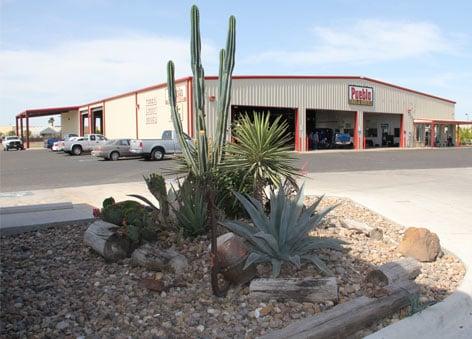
x,y
198,158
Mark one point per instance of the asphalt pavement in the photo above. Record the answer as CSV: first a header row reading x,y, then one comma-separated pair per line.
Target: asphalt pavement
x,y
42,169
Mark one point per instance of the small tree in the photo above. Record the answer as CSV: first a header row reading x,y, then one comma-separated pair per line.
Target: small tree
x,y
51,121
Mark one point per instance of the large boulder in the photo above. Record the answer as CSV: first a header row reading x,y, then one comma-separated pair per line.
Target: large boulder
x,y
420,244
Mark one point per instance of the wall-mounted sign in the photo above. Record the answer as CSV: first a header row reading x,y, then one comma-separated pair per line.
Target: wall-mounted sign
x,y
151,111
360,95
180,92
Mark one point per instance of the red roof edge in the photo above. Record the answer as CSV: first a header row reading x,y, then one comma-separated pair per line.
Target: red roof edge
x,y
38,112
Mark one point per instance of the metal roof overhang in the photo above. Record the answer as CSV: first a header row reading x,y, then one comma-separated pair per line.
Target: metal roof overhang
x,y
41,112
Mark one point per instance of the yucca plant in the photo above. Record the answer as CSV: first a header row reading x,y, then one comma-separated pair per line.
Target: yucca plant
x,y
260,151
282,236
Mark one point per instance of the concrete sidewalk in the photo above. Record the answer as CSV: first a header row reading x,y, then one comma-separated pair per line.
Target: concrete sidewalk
x,y
439,199
26,218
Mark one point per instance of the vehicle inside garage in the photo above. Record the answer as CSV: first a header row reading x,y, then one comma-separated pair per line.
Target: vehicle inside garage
x,y
288,114
326,129
382,130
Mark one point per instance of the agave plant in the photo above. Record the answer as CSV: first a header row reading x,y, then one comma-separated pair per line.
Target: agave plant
x,y
282,236
260,151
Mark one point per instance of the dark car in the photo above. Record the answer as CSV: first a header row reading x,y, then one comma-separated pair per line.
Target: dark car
x,y
50,141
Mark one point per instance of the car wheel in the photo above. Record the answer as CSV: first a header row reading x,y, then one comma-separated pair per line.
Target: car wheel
x,y
157,154
114,156
77,150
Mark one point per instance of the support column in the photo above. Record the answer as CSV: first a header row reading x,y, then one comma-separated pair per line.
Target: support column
x,y
89,120
359,131
458,135
433,136
16,125
27,131
300,130
402,132
21,128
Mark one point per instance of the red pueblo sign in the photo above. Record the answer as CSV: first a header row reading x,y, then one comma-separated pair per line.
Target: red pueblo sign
x,y
361,95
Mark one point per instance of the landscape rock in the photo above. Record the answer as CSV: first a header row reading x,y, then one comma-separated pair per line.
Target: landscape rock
x,y
420,244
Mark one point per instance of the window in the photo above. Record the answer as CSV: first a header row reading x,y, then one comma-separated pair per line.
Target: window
x,y
124,142
92,137
101,137
167,135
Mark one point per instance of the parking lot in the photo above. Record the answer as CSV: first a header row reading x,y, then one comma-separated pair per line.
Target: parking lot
x,y
42,169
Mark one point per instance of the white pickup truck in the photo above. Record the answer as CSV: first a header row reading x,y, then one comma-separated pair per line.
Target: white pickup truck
x,y
156,149
77,146
10,142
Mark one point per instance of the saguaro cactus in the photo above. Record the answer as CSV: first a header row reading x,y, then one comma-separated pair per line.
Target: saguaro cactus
x,y
198,158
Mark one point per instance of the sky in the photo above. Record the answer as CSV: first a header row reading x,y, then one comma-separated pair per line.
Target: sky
x,y
70,52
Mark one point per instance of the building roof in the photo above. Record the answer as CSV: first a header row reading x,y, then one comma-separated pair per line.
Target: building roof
x,y
58,110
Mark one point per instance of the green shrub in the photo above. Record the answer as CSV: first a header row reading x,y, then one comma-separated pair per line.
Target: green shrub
x,y
135,218
191,214
282,236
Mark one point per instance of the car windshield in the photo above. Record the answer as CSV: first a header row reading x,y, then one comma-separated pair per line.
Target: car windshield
x,y
12,138
111,142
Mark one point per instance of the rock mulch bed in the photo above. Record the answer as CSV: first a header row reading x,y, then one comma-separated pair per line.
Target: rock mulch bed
x,y
52,285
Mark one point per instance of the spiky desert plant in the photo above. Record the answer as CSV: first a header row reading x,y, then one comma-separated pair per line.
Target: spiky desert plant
x,y
282,236
202,158
260,151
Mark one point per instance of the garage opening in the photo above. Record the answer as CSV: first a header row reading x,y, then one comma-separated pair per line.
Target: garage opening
x,y
288,114
97,120
329,129
382,130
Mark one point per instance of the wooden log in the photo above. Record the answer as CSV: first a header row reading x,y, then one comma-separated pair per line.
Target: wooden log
x,y
101,236
348,318
308,289
360,227
394,272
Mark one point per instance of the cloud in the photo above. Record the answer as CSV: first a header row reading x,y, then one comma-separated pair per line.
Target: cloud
x,y
80,71
366,41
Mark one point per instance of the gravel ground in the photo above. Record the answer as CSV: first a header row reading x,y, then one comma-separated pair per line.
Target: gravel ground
x,y
53,286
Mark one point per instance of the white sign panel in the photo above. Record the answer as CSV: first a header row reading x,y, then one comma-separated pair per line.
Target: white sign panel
x,y
361,95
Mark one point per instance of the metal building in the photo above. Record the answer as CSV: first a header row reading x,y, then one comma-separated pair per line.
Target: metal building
x,y
317,109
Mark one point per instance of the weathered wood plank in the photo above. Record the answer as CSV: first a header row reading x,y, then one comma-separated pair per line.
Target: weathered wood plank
x,y
308,289
101,236
348,318
370,231
394,272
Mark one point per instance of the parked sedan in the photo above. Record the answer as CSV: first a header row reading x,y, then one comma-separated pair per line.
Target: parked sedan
x,y
113,150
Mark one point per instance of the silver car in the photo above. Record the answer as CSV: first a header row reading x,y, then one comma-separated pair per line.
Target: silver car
x,y
113,150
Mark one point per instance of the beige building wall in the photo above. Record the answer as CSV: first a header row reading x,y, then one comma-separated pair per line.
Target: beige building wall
x,y
154,114
331,94
70,122
120,117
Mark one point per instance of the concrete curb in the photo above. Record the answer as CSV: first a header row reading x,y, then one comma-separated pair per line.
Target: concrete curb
x,y
27,218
